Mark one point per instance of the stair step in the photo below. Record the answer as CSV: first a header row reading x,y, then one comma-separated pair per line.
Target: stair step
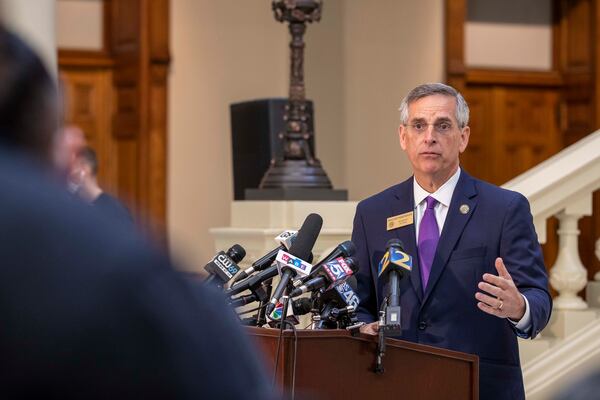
x,y
564,323
530,349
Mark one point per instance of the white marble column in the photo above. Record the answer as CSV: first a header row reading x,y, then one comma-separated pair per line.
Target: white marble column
x,y
35,22
568,275
593,288
597,276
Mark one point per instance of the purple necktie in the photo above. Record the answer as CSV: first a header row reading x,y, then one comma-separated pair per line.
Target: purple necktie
x,y
429,235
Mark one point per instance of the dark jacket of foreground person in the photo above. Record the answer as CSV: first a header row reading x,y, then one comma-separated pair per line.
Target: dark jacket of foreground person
x,y
89,311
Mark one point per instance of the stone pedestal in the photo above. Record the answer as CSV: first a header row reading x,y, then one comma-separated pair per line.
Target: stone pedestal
x,y
530,349
255,224
291,194
564,323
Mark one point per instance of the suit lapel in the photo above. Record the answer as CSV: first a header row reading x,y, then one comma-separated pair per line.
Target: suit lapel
x,y
403,203
464,195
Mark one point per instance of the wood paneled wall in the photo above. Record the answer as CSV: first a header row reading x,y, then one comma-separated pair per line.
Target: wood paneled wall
x,y
119,97
520,118
86,89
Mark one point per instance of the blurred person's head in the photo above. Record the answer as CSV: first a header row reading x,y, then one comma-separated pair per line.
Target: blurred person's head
x,y
69,142
83,174
88,161
28,100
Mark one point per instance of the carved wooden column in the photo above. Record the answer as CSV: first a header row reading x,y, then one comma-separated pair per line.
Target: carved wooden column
x,y
139,31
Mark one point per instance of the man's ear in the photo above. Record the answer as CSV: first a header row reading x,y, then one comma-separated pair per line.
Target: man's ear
x,y
402,136
464,138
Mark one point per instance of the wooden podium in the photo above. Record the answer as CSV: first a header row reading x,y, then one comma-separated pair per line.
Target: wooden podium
x,y
332,364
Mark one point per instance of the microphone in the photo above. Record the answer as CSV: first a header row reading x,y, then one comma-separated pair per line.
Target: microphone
x,y
224,266
339,305
393,266
290,264
345,249
298,307
243,300
285,239
255,280
276,317
302,306
258,294
331,274
343,295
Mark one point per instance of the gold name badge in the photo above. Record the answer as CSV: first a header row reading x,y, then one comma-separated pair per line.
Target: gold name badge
x,y
399,221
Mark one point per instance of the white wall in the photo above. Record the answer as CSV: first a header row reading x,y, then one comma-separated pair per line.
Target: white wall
x,y
324,66
389,47
222,52
510,34
79,24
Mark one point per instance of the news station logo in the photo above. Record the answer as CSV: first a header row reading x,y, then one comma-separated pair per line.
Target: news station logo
x,y
286,235
286,238
349,296
337,269
277,312
385,261
396,258
401,259
293,261
226,264
287,260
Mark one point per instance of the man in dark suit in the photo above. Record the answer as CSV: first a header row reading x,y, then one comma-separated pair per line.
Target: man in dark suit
x,y
478,279
88,309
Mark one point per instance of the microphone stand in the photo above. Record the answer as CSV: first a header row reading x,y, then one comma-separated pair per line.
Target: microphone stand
x,y
379,369
261,316
262,294
389,319
322,321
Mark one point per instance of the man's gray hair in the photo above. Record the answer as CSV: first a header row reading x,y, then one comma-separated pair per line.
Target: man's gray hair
x,y
429,89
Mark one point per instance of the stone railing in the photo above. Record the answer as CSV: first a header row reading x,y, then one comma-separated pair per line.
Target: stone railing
x,y
563,186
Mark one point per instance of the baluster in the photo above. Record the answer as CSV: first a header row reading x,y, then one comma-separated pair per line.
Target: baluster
x,y
568,275
597,276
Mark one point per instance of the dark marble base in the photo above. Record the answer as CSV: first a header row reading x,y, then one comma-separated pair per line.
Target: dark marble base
x,y
297,194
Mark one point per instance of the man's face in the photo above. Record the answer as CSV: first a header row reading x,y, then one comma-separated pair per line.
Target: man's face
x,y
69,142
432,138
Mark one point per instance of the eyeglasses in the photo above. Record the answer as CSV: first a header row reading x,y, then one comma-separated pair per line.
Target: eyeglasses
x,y
439,127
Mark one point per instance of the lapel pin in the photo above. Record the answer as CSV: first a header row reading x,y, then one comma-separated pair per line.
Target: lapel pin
x,y
464,209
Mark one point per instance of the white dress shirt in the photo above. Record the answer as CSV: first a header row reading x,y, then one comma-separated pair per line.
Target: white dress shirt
x,y
443,196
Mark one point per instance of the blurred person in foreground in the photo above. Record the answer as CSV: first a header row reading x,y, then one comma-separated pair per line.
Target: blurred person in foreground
x,y
584,388
81,321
